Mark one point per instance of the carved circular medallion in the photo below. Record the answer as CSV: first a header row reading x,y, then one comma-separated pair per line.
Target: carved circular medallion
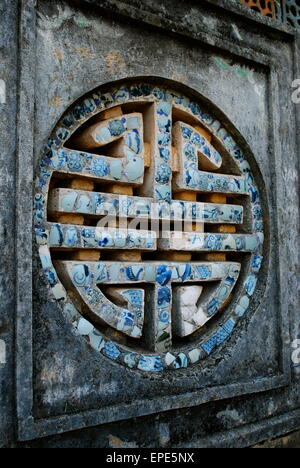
x,y
149,226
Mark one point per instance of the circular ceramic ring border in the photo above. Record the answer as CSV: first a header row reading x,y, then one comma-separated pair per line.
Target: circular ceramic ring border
x,y
95,103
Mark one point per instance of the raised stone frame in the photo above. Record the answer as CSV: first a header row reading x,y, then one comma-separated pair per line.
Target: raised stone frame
x,y
275,66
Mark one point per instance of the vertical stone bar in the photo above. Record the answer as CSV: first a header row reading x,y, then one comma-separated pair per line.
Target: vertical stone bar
x,y
162,318
158,310
157,125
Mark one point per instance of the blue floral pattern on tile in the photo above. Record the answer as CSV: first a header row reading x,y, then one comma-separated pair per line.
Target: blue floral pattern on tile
x,y
110,350
250,284
164,275
150,364
100,167
164,174
75,162
116,127
164,296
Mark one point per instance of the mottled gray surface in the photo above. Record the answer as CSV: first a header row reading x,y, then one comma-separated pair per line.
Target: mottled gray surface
x,y
77,48
8,113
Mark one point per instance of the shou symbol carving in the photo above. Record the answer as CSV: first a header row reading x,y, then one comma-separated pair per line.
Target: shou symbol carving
x,y
149,226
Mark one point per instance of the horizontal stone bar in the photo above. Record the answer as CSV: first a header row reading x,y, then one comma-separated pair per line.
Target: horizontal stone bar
x,y
81,237
109,131
208,182
127,169
64,200
162,273
191,310
207,242
158,333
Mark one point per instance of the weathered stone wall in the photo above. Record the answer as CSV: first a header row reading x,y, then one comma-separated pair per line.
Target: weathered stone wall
x,y
55,390
289,441
8,126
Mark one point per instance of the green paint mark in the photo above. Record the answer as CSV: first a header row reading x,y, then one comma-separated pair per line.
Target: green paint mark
x,y
221,63
82,22
239,71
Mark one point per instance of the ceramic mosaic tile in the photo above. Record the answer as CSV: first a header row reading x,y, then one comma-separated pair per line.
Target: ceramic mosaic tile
x,y
195,150
67,236
99,204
